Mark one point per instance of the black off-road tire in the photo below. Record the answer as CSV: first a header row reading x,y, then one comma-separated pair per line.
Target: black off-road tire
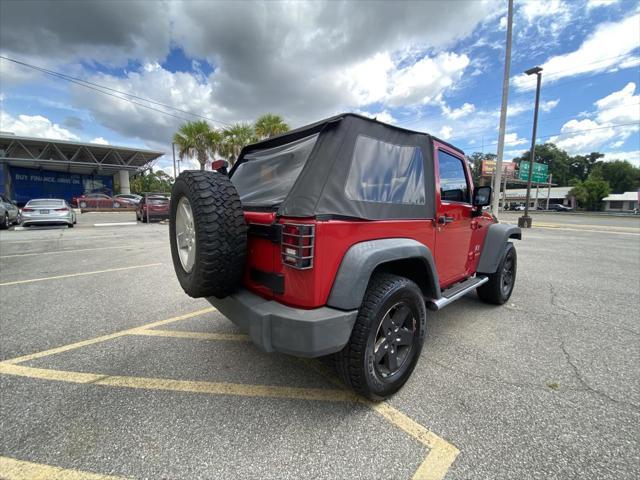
x,y
355,363
500,285
220,232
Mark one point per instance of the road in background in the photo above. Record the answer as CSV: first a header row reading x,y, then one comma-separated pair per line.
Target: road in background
x,y
545,386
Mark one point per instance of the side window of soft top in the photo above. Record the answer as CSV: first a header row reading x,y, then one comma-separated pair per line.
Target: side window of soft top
x,y
454,186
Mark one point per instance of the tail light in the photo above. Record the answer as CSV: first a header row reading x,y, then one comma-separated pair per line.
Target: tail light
x,y
65,209
297,245
27,209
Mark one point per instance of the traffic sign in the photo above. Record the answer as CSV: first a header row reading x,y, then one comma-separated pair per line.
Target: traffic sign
x,y
540,172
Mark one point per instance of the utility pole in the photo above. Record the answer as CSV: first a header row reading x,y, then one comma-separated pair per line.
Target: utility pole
x,y
503,113
549,190
525,220
173,148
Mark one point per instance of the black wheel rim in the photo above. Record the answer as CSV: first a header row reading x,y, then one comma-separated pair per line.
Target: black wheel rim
x,y
508,271
394,342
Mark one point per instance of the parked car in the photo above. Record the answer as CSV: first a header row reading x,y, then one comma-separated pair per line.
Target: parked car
x,y
334,239
100,200
558,207
9,212
129,197
519,208
153,207
48,211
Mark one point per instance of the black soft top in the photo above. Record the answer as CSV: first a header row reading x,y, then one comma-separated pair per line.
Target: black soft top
x,y
319,190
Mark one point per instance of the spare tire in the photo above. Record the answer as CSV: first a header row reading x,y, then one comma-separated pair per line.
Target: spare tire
x,y
208,234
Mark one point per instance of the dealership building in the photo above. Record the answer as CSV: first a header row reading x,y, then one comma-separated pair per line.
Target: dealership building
x,y
46,168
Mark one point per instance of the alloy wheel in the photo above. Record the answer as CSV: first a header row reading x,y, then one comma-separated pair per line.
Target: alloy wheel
x,y
185,234
394,340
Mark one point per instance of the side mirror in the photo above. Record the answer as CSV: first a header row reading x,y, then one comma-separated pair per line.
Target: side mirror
x,y
481,198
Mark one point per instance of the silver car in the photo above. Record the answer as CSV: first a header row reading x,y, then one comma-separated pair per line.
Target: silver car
x,y
9,213
48,211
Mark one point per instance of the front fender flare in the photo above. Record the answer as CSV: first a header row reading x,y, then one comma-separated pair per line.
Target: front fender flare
x,y
494,243
362,259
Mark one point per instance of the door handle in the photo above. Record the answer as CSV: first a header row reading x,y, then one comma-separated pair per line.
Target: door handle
x,y
443,220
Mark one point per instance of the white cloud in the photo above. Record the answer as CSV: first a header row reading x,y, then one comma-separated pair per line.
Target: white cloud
x,y
425,80
99,141
514,153
618,108
549,105
383,116
600,3
610,45
456,113
512,139
34,126
445,132
542,8
631,156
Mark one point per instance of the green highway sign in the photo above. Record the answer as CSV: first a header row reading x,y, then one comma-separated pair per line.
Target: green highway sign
x,y
540,172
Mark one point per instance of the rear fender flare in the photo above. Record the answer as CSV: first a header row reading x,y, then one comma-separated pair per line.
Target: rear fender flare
x,y
363,258
494,244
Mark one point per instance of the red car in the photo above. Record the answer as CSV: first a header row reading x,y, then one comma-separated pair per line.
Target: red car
x,y
100,200
337,239
153,207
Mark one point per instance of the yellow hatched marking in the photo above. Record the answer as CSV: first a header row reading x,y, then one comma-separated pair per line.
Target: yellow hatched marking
x,y
81,274
435,466
192,386
230,337
442,454
104,338
12,469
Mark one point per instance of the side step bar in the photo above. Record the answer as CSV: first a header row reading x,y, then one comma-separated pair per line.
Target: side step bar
x,y
454,293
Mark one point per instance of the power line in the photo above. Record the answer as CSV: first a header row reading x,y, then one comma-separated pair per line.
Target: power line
x,y
101,88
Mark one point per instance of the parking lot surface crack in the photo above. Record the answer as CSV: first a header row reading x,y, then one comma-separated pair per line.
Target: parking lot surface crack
x,y
587,387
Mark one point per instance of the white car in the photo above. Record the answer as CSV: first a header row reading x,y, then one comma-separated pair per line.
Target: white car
x,y
48,211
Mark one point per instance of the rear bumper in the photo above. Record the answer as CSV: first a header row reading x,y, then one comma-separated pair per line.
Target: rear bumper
x,y
46,221
273,326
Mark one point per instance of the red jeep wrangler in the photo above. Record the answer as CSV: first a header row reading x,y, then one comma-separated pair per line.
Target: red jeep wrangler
x,y
335,239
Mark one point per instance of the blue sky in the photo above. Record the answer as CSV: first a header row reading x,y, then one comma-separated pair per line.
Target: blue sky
x,y
432,66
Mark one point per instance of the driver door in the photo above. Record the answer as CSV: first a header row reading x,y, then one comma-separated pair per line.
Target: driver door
x,y
454,214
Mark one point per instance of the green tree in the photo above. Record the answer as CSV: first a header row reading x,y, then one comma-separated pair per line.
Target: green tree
x,y
269,125
151,182
589,193
620,174
234,139
197,139
580,166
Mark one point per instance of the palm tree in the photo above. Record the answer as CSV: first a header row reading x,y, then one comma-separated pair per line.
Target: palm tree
x,y
269,125
197,139
235,138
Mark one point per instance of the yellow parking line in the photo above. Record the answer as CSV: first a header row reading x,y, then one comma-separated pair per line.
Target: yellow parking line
x,y
192,386
232,337
80,250
608,232
103,338
441,455
69,275
580,226
12,469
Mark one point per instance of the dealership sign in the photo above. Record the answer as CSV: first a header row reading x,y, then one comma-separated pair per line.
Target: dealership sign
x,y
489,168
540,172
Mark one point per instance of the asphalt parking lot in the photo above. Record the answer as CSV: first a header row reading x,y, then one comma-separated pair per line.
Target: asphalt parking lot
x,y
107,369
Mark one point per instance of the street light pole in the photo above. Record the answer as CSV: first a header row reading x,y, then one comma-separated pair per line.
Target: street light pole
x,y
495,205
525,220
173,149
